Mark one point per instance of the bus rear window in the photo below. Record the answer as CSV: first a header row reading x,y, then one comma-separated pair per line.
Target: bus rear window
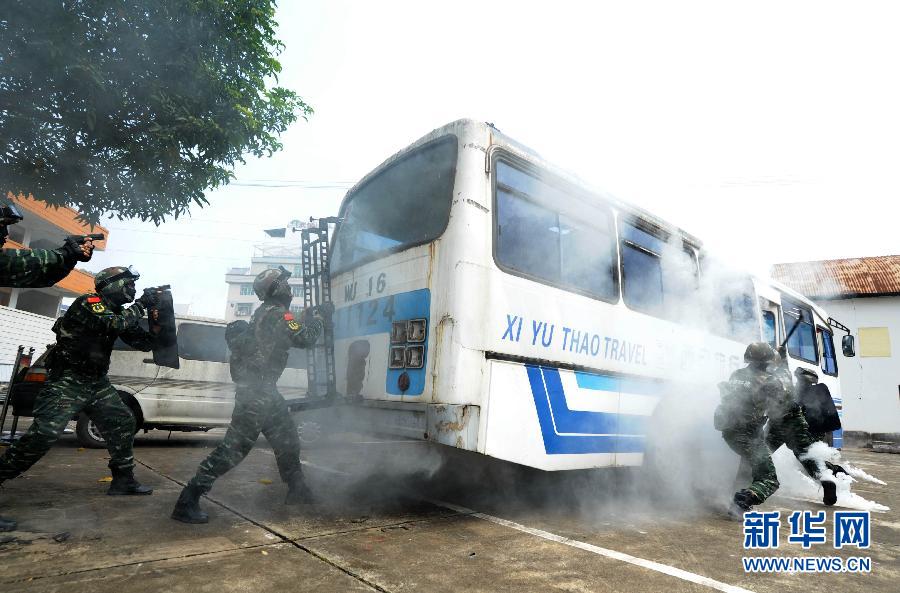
x,y
405,205
537,237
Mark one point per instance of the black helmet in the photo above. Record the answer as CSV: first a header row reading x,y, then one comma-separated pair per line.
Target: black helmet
x,y
265,282
759,352
807,375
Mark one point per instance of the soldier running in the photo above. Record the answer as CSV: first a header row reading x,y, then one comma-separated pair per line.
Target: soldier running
x,y
741,416
77,380
259,356
35,268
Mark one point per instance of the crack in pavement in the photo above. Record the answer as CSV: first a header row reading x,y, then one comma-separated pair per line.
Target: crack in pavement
x,y
140,562
284,538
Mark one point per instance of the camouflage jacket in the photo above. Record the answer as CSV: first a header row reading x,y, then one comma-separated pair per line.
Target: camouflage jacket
x,y
747,395
86,333
784,401
272,332
33,268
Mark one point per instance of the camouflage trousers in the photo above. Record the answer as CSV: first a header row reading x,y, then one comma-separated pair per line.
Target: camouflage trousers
x,y
257,408
59,402
793,431
756,462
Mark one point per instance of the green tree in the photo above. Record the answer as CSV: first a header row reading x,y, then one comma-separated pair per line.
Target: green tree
x,y
136,107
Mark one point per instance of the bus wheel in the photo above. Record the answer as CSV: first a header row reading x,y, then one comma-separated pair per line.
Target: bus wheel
x,y
309,431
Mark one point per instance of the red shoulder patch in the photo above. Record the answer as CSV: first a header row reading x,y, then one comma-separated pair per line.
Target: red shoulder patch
x,y
93,299
288,316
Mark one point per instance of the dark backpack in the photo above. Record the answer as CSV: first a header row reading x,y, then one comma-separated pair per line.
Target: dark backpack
x,y
819,409
242,344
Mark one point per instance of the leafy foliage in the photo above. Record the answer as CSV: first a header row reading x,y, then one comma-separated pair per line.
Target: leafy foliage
x,y
136,107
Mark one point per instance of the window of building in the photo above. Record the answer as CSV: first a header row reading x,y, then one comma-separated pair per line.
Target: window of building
x,y
202,342
246,289
406,204
242,310
802,342
874,342
538,239
296,290
298,271
829,360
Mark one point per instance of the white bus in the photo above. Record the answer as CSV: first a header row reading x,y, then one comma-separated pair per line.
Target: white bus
x,y
489,301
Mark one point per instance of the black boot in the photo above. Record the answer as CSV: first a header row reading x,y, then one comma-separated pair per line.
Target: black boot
x,y
123,483
187,509
7,524
298,492
743,502
829,497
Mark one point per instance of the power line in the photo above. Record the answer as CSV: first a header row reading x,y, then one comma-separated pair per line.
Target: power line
x,y
176,255
216,237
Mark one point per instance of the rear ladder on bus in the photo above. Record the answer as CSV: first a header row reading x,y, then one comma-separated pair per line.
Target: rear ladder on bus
x,y
315,260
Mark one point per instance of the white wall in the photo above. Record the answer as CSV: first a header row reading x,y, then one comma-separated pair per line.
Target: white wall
x,y
20,327
870,385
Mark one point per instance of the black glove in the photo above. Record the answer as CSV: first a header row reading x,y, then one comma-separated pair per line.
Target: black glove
x,y
148,300
72,251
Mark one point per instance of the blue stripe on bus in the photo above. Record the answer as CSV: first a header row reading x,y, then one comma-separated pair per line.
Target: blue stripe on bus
x,y
598,431
617,384
375,316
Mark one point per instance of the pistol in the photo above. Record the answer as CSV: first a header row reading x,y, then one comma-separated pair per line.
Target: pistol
x,y
80,239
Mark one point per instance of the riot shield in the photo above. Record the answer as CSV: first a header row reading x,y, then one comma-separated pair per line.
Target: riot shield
x,y
165,354
819,409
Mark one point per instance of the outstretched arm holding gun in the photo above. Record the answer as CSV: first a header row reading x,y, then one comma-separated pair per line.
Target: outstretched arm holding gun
x,y
36,268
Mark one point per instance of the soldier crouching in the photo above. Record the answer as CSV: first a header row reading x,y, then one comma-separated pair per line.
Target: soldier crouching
x,y
77,380
259,353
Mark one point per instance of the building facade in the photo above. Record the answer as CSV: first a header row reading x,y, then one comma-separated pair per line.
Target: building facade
x,y
863,294
241,300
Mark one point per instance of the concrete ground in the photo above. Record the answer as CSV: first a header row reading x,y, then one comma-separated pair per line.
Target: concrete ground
x,y
393,516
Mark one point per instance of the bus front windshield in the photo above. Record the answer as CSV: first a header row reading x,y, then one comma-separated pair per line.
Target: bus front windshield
x,y
405,205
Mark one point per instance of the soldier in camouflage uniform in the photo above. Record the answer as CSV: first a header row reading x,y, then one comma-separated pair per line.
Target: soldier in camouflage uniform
x,y
259,356
77,380
741,416
35,268
787,426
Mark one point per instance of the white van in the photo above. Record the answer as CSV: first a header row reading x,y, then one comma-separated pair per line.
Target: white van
x,y
197,396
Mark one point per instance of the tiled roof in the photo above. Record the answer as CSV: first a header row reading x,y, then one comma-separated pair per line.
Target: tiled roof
x,y
842,278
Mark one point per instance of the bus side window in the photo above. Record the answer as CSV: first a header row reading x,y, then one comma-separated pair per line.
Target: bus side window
x,y
642,270
802,343
768,318
537,240
829,360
